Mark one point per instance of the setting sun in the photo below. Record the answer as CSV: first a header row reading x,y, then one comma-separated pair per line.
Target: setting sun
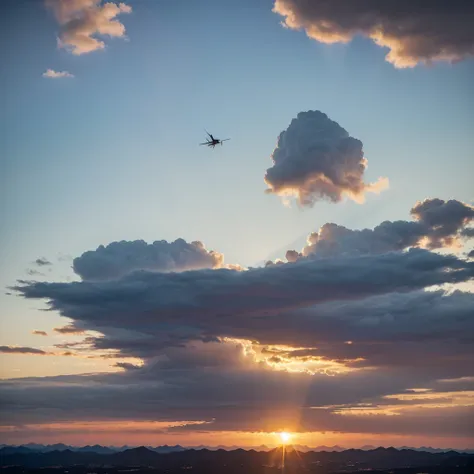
x,y
285,437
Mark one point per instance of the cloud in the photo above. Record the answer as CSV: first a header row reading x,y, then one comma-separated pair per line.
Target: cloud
x,y
34,272
217,293
52,74
389,330
40,333
42,261
413,33
445,219
127,366
469,233
70,329
334,340
317,159
121,258
229,385
21,350
82,20
234,396
437,224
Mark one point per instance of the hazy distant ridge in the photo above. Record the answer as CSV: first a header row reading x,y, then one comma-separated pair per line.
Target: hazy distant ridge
x,y
45,448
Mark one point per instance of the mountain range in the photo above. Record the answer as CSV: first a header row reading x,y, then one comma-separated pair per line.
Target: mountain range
x,y
45,448
379,458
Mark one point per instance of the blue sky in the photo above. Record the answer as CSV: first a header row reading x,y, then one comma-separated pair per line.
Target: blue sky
x,y
112,154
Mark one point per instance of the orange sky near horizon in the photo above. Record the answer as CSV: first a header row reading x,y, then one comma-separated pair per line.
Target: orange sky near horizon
x,y
135,433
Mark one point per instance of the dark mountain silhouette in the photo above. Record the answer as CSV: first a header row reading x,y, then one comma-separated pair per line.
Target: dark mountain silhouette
x,y
167,449
15,450
379,458
33,447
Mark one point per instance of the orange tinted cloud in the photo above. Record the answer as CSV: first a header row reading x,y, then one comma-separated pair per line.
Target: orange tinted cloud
x,y
413,33
82,20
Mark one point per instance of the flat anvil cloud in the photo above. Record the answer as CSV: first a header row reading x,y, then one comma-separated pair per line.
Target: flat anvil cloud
x,y
82,20
415,31
385,331
224,292
317,159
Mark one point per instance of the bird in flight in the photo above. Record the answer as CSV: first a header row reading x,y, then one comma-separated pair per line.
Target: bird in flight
x,y
212,142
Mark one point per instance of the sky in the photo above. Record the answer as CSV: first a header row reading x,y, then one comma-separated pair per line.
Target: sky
x,y
149,297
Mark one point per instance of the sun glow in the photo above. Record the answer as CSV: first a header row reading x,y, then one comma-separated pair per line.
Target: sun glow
x,y
285,437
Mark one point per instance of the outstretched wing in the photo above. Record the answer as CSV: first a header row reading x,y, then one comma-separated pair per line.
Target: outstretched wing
x,y
225,139
207,143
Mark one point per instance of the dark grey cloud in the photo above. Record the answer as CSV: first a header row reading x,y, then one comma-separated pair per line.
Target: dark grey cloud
x,y
40,333
437,224
42,261
445,219
386,331
21,350
162,300
127,366
414,32
317,159
420,316
469,233
120,258
232,397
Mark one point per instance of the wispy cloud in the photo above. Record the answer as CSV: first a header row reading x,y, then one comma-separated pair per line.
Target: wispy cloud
x,y
52,74
82,20
40,333
21,350
69,330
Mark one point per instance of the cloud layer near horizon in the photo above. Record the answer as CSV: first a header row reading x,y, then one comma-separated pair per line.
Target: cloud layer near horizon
x,y
413,31
326,341
82,20
316,159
